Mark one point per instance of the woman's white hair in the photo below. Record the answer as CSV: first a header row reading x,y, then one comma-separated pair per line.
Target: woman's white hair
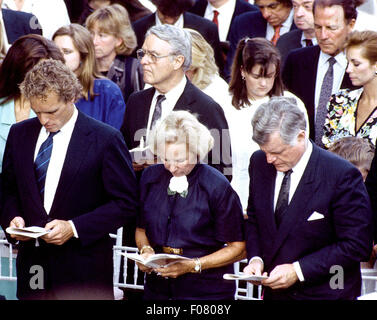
x,y
181,127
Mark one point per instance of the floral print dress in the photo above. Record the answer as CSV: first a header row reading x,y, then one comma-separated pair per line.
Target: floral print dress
x,y
341,118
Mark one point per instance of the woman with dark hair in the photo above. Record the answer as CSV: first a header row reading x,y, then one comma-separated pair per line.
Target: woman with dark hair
x,y
255,78
102,99
114,41
354,112
24,54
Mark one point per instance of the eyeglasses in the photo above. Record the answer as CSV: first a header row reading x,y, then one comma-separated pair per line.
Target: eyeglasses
x,y
141,53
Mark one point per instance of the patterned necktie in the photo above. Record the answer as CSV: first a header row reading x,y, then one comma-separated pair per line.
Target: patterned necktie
x,y
157,110
276,36
42,161
215,15
282,203
324,98
308,42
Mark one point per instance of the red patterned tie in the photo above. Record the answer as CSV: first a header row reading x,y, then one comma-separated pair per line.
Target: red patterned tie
x,y
276,36
214,20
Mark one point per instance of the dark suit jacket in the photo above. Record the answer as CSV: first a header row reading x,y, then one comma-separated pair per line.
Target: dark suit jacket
x,y
332,187
205,27
288,42
18,23
193,100
97,190
299,76
242,6
249,24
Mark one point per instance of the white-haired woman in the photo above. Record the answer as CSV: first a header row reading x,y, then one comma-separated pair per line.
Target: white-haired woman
x,y
188,208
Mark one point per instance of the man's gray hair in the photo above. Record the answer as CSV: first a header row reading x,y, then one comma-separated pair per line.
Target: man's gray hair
x,y
279,114
179,40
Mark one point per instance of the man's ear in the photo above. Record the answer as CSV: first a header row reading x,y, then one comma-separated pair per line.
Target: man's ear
x,y
178,62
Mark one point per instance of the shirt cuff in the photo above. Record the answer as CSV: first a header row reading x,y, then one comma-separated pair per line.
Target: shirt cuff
x,y
298,270
73,229
256,258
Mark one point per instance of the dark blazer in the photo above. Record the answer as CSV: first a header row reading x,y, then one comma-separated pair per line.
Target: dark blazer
x,y
249,24
205,27
288,42
371,184
332,187
242,6
193,100
299,76
18,23
97,190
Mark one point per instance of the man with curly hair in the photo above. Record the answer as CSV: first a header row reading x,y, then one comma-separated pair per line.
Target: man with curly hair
x,y
71,175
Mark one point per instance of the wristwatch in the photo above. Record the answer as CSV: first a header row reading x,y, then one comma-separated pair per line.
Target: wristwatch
x,y
198,265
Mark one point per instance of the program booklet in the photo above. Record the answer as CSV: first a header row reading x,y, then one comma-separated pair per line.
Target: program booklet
x,y
156,260
31,232
243,276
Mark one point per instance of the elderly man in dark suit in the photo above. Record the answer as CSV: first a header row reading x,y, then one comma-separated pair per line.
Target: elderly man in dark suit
x,y
304,35
274,19
310,221
314,73
71,175
165,56
175,13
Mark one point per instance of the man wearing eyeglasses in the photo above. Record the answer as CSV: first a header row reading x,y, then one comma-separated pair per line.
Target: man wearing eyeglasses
x,y
165,57
274,19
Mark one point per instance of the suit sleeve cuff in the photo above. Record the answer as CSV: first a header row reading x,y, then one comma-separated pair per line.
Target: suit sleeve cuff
x,y
298,270
73,229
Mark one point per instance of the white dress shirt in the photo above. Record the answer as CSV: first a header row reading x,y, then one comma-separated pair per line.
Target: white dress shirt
x,y
285,27
224,18
58,154
178,23
303,43
339,70
296,175
168,104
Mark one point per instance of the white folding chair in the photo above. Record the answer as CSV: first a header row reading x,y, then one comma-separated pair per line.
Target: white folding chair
x,y
369,281
6,253
244,289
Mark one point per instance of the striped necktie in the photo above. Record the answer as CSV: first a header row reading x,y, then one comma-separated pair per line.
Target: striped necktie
x,y
42,161
283,198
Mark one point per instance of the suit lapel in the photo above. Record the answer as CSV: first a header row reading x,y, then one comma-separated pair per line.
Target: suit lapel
x,y
187,98
30,141
298,204
76,153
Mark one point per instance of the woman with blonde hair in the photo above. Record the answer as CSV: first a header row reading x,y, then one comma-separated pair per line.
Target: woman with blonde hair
x,y
204,72
114,41
102,99
185,205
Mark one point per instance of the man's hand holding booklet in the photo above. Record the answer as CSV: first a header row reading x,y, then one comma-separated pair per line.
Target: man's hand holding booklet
x,y
243,276
30,232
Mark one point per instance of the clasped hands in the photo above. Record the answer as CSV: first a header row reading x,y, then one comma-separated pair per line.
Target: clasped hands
x,y
61,231
173,270
281,277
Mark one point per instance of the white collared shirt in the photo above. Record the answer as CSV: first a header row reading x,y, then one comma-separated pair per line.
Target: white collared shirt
x,y
339,70
297,172
224,18
285,27
58,154
178,23
303,43
169,103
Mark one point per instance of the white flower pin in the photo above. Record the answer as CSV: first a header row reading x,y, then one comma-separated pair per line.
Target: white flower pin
x,y
178,184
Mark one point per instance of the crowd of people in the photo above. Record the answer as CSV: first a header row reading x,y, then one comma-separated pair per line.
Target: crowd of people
x,y
261,119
